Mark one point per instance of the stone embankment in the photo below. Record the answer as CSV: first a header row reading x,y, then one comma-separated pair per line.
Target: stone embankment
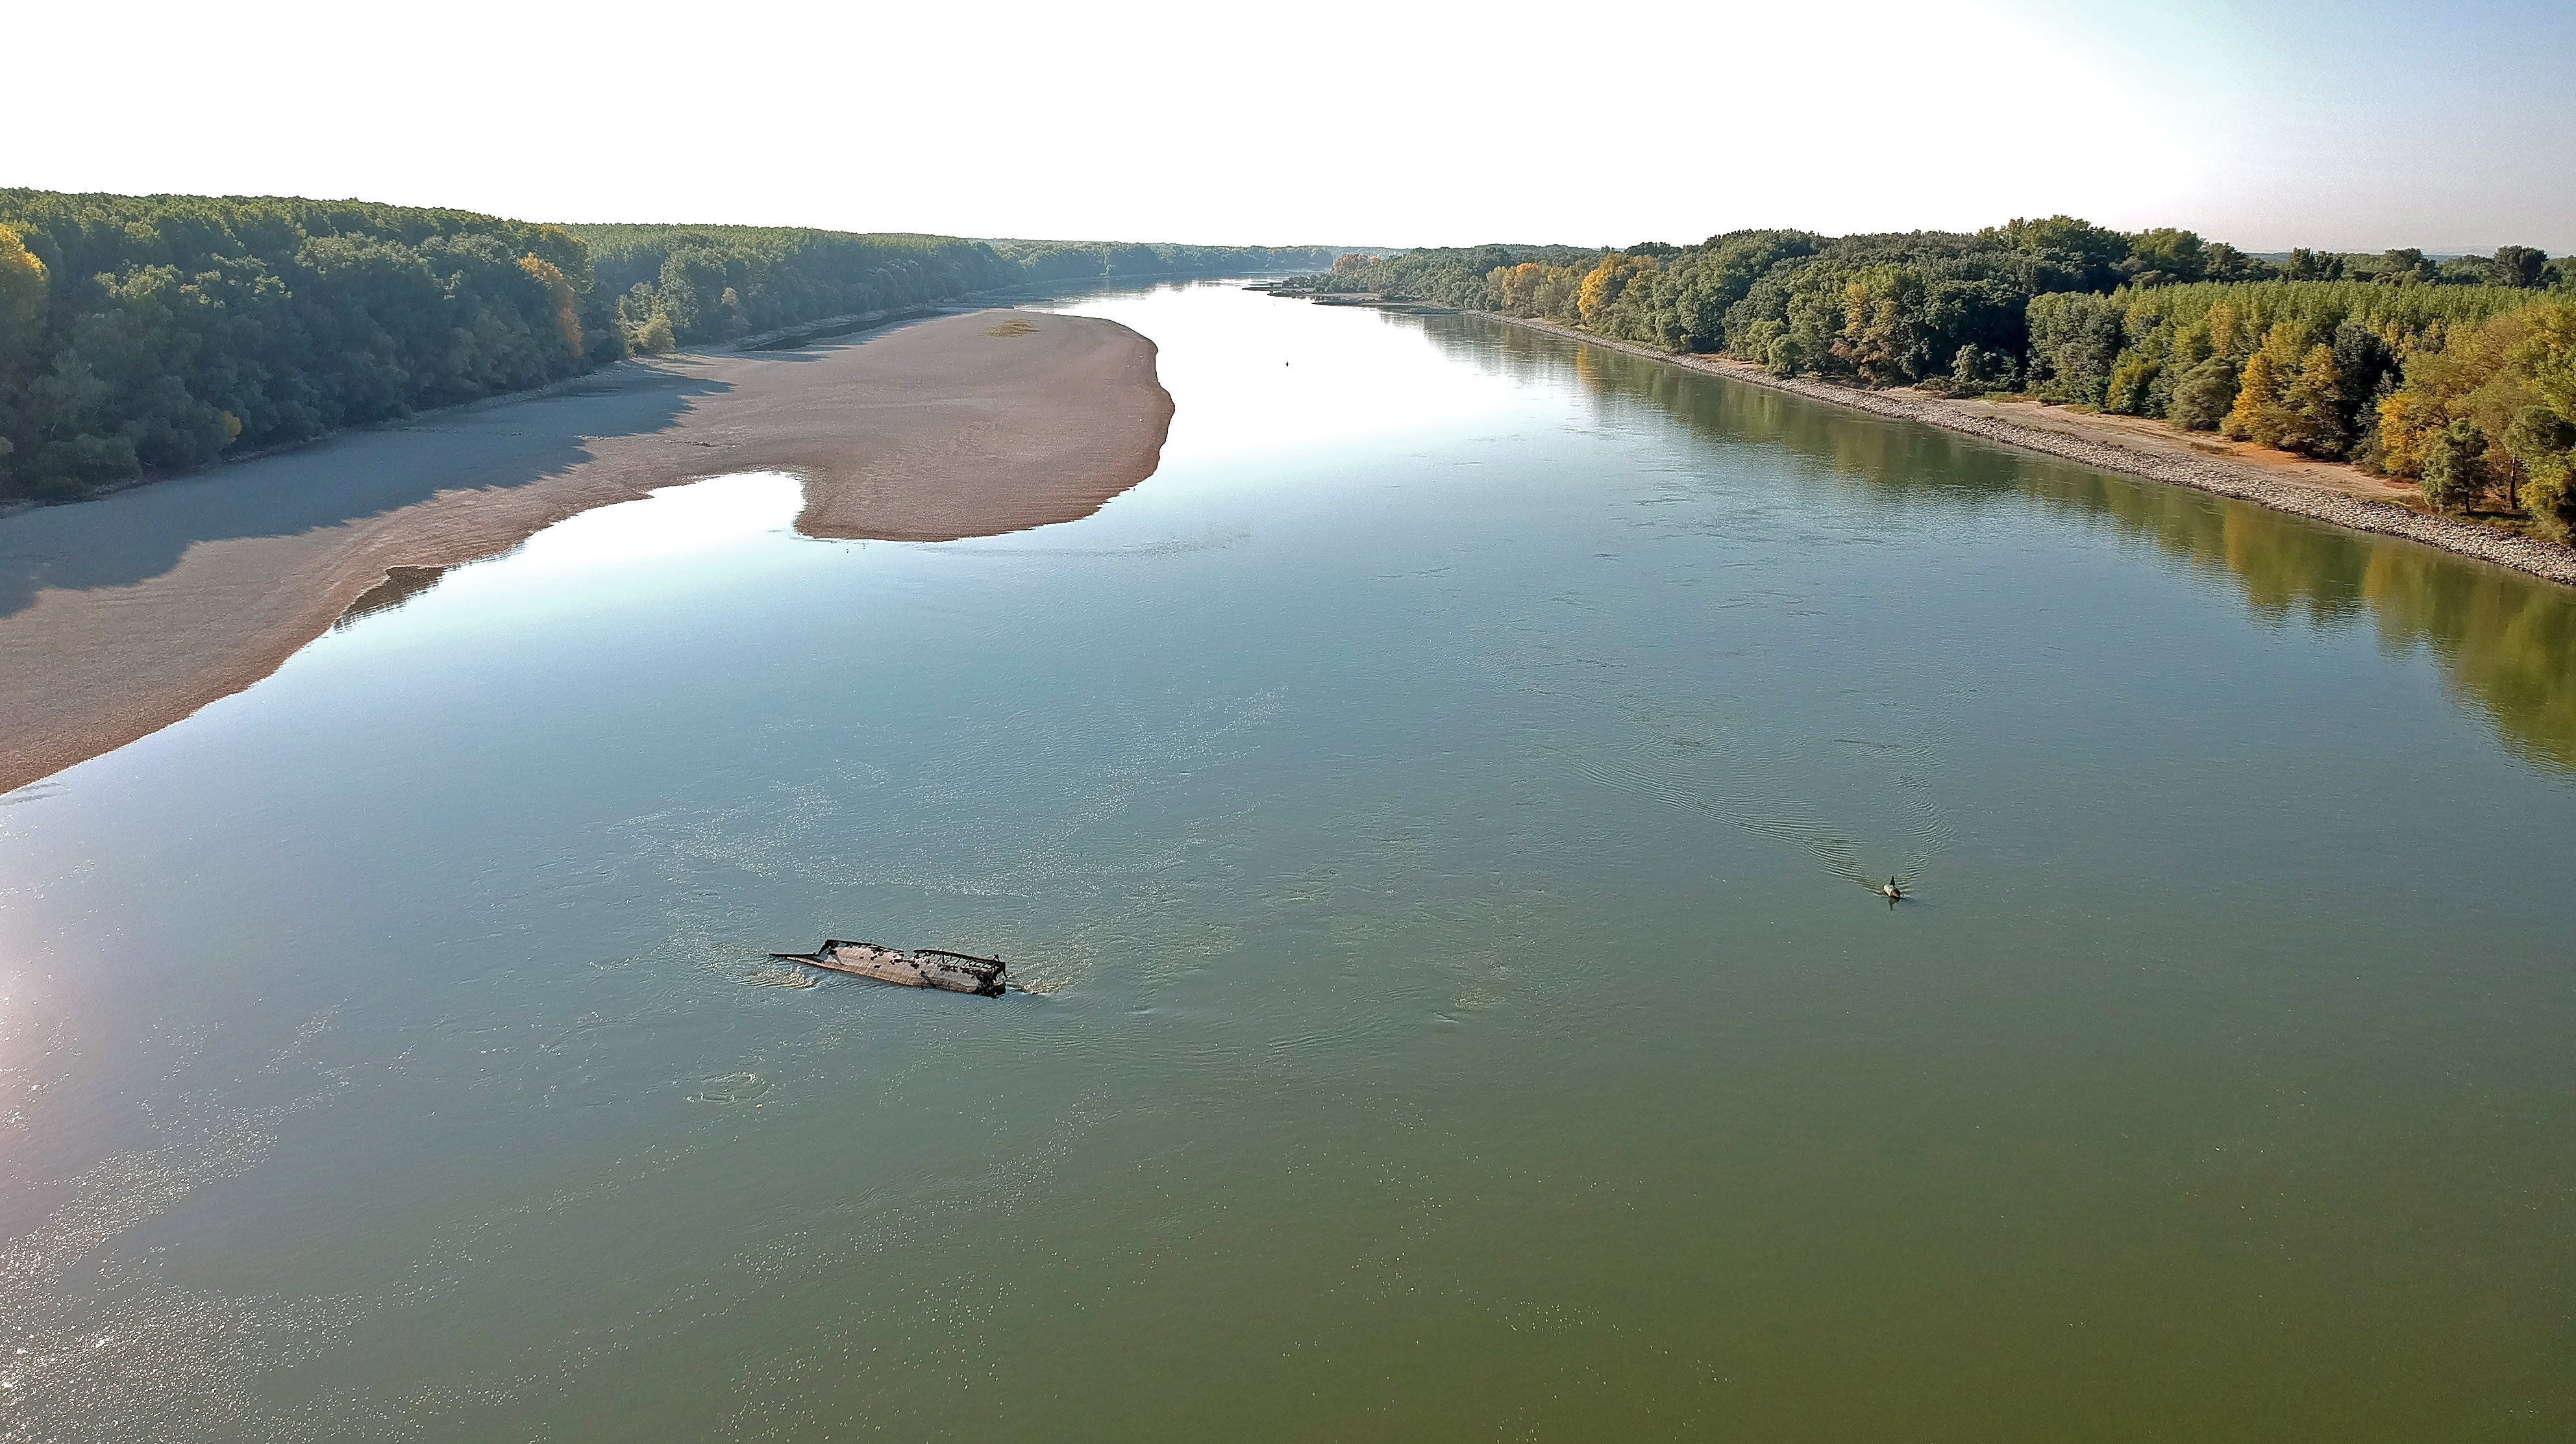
x,y
2225,478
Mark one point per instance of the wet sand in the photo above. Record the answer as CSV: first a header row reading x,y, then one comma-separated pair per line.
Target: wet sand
x,y
122,615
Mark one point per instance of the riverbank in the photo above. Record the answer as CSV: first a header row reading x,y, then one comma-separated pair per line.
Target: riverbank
x,y
123,614
2342,495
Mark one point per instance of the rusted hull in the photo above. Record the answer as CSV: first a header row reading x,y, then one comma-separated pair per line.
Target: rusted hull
x,y
927,968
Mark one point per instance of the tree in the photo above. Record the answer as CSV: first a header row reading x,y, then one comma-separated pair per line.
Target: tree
x,y
1974,370
2206,395
2226,263
1516,288
2062,253
2402,265
2133,380
1557,293
1816,318
2405,421
567,306
22,318
2519,266
1603,285
2547,351
1886,338
691,285
2075,339
2543,438
22,302
2312,409
2166,256
144,332
2455,469
2256,415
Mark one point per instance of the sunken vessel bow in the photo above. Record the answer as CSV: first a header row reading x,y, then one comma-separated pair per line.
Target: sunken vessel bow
x,y
921,968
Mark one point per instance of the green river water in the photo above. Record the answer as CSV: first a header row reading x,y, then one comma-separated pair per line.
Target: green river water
x,y
1433,814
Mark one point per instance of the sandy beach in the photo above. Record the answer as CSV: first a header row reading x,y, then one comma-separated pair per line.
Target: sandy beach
x,y
121,615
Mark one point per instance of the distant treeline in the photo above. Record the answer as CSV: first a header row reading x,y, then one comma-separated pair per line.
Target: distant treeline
x,y
2460,373
151,333
692,285
1062,261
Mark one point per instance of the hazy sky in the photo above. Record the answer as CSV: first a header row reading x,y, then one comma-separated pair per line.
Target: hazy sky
x,y
2359,126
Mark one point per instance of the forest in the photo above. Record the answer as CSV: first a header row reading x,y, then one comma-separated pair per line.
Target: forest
x,y
146,334
2456,373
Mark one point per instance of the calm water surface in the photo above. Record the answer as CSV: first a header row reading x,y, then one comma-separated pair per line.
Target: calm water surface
x,y
1433,812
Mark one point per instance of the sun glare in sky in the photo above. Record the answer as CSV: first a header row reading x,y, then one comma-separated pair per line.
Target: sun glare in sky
x,y
2349,126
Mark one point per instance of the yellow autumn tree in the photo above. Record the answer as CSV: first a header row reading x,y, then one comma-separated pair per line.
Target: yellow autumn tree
x,y
1518,286
2543,438
1557,291
2547,352
22,301
2312,407
2258,397
2477,375
2264,396
2222,328
1602,285
2406,418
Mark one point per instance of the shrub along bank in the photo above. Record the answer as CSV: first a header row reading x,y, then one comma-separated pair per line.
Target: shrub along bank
x,y
2458,373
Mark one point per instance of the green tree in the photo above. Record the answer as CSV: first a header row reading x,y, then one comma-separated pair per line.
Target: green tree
x,y
2519,266
2075,339
1887,336
2206,395
565,304
1975,370
2165,256
2455,466
2132,384
2226,263
2061,253
22,319
2402,265
2307,265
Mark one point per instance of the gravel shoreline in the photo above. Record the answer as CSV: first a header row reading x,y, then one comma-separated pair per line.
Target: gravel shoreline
x,y
2546,560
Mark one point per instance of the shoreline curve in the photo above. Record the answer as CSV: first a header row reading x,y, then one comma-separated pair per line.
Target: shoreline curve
x,y
2237,480
126,613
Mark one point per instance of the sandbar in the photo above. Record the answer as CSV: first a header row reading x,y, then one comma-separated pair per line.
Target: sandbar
x,y
124,614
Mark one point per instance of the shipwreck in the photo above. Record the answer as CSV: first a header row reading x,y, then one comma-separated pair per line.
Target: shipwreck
x,y
921,968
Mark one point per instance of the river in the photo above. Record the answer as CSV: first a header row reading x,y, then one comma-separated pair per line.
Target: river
x,y
1434,816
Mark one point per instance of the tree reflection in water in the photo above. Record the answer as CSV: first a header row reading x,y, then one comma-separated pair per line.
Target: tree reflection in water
x,y
2505,643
